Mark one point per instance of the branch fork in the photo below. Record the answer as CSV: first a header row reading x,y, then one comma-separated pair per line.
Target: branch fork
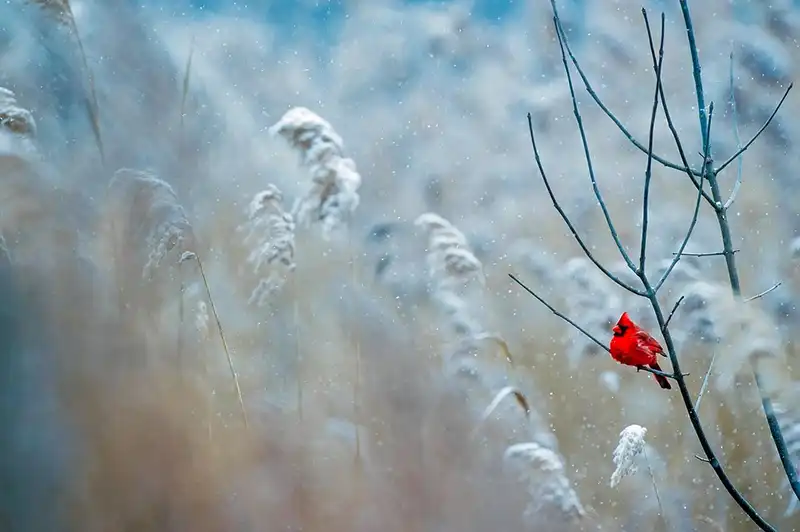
x,y
707,174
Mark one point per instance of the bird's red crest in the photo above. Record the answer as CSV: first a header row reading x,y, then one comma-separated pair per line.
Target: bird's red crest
x,y
625,320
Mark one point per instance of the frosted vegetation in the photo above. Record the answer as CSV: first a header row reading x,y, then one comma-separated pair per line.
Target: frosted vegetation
x,y
255,273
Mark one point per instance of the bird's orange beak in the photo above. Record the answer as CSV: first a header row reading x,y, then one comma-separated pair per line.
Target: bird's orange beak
x,y
616,329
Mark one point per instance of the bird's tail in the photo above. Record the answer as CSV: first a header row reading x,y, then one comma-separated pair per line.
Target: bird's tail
x,y
661,380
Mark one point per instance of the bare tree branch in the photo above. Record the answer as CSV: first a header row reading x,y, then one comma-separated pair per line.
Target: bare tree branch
x,y
696,212
674,308
587,155
765,292
698,183
590,90
649,291
758,133
583,331
733,275
712,254
648,174
566,219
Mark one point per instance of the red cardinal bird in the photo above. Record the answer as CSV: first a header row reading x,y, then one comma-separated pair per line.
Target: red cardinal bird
x,y
632,346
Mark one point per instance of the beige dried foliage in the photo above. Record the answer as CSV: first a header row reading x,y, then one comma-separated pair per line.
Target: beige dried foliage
x,y
508,391
451,263
269,235
741,332
456,276
151,220
548,486
333,196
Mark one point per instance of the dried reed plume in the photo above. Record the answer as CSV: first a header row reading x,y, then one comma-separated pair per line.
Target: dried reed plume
x,y
17,127
630,446
548,486
155,217
454,272
269,235
155,225
14,118
61,12
333,195
739,331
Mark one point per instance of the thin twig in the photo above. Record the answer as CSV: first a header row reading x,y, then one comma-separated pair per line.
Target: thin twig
x,y
765,292
727,244
566,219
780,442
712,254
585,142
737,185
658,372
590,90
692,225
674,308
673,130
758,133
559,314
582,330
705,380
679,145
648,174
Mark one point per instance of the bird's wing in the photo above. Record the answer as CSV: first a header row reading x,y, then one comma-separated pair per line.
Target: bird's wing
x,y
648,342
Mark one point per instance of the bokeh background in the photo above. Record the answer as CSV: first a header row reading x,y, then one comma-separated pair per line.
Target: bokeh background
x,y
364,410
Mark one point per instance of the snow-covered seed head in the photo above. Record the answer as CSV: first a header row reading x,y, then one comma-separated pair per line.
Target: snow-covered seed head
x,y
631,445
270,236
17,128
543,471
333,196
454,272
450,260
14,118
157,220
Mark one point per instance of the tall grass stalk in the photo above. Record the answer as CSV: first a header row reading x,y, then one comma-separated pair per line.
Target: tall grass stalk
x,y
193,256
61,11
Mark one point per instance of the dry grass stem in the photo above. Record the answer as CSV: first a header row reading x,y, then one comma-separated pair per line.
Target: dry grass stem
x,y
187,256
61,11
